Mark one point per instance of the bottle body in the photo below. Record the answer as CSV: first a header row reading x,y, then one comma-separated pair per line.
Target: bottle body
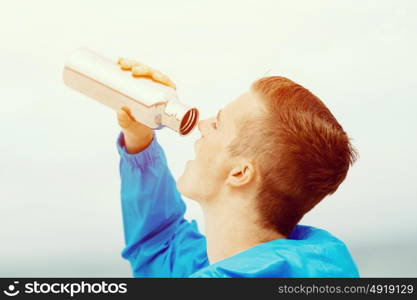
x,y
151,103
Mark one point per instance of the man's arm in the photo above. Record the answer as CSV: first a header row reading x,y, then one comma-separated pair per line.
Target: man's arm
x,y
159,241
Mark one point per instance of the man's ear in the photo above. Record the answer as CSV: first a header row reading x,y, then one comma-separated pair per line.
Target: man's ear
x,y
241,174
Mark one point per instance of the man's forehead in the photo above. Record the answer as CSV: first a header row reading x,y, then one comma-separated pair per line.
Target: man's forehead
x,y
246,102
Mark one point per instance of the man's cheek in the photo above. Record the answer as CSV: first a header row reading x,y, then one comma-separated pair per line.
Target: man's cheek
x,y
204,158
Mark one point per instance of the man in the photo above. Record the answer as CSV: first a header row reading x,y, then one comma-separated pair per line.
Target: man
x,y
263,162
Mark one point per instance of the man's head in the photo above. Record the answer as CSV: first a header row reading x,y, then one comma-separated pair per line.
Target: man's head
x,y
276,143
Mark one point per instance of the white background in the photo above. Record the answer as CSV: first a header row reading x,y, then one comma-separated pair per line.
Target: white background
x,y
59,182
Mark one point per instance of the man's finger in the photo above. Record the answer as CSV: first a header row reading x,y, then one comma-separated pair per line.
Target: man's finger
x,y
128,113
162,78
122,115
123,119
158,76
127,64
141,70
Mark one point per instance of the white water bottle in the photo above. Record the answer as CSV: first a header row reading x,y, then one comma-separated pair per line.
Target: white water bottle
x,y
151,103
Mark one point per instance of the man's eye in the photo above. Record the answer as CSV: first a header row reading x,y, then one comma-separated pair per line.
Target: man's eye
x,y
214,124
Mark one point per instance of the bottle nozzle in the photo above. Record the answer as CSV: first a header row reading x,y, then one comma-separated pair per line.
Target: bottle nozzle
x,y
180,117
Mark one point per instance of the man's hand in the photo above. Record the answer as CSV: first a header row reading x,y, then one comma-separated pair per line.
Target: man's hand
x,y
137,135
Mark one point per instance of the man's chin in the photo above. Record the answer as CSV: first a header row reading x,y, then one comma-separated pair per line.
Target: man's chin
x,y
184,185
181,183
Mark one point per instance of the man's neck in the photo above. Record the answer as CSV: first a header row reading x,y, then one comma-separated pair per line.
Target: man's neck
x,y
231,228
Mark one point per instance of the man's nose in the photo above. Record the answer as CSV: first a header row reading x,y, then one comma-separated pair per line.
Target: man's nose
x,y
201,126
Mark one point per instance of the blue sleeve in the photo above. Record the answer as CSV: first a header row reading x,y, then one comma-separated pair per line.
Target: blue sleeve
x,y
159,241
